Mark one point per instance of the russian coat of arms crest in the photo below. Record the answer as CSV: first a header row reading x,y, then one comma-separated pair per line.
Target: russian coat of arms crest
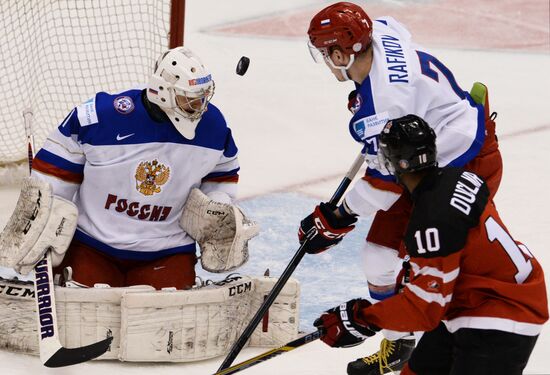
x,y
150,175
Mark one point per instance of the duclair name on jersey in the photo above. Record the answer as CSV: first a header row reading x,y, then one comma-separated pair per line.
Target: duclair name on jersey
x,y
137,209
464,195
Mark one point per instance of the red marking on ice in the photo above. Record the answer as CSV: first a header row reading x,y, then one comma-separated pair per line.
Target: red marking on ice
x,y
490,24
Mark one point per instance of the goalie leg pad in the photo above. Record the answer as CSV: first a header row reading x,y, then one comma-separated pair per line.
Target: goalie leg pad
x,y
184,326
85,316
221,229
280,324
40,221
202,323
149,325
17,317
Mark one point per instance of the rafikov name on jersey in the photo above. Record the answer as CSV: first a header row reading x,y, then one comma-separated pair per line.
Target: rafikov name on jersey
x,y
395,57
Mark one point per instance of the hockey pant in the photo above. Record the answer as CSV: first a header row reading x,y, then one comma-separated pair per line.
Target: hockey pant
x,y
470,351
91,266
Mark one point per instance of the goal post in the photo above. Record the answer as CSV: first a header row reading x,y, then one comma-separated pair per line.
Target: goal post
x,y
57,54
177,23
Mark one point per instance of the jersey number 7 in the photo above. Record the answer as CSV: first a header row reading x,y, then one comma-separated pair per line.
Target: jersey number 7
x,y
426,63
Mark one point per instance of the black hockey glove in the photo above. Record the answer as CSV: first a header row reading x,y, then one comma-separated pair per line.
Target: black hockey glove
x,y
328,228
342,326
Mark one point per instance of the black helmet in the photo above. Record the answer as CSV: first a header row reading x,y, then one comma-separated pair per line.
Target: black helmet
x,y
407,144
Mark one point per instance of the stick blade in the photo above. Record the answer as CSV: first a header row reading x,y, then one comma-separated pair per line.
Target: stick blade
x,y
67,357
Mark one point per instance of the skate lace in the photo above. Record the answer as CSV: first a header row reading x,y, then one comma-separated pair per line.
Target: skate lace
x,y
387,347
381,357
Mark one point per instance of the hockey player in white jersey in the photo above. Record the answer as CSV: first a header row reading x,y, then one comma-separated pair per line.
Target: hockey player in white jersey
x,y
150,172
393,77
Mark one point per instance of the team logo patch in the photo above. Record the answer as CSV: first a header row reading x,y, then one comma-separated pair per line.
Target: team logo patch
x,y
124,104
403,164
357,104
433,285
150,175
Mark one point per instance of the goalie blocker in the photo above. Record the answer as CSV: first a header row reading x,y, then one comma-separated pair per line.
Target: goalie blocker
x,y
221,230
40,221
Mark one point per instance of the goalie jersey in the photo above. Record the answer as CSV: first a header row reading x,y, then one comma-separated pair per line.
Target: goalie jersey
x,y
130,172
406,79
467,270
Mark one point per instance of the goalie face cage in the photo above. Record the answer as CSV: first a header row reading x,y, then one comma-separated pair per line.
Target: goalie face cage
x,y
57,54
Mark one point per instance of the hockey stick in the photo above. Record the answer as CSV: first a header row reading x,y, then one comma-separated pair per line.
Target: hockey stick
x,y
52,353
241,341
306,339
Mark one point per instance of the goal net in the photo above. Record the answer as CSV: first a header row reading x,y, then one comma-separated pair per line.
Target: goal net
x,y
57,54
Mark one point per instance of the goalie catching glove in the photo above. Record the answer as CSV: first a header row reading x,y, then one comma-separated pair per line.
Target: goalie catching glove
x,y
326,228
41,221
221,229
342,326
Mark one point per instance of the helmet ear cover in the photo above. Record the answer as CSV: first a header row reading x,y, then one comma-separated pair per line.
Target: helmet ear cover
x,y
407,144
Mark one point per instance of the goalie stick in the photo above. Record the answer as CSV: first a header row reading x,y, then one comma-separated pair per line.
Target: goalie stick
x,y
52,353
305,339
241,341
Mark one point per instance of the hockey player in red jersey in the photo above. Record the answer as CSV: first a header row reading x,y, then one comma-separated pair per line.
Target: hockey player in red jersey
x,y
146,173
478,294
393,77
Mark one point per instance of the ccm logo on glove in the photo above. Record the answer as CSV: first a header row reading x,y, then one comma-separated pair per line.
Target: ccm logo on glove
x,y
216,213
326,232
325,228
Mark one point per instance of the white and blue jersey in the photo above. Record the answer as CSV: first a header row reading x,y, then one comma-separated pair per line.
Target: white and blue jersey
x,y
406,79
130,174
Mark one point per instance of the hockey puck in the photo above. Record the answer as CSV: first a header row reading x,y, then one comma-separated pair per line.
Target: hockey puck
x,y
242,65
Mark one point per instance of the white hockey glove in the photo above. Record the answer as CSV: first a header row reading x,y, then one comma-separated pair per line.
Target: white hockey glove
x,y
41,221
221,229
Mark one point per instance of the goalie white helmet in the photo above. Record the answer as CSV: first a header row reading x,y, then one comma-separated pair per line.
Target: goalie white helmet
x,y
182,87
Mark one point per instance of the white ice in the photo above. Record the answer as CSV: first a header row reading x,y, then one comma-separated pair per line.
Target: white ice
x,y
289,118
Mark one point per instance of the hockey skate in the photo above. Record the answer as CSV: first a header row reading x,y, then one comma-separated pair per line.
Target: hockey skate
x,y
391,357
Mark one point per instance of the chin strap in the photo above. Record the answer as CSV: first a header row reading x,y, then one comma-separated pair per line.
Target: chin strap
x,y
343,69
344,74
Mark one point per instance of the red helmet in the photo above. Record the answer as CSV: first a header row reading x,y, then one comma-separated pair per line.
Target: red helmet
x,y
345,25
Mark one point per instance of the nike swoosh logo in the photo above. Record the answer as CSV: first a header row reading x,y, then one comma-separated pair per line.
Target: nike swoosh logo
x,y
119,138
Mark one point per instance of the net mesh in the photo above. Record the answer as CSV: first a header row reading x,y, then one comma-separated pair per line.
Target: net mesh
x,y
57,54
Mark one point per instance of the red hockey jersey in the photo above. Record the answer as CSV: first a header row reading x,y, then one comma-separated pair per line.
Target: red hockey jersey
x,y
466,269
